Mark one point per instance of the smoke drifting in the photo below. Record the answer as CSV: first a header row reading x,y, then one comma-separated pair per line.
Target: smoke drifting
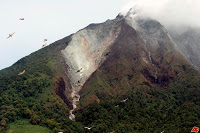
x,y
170,13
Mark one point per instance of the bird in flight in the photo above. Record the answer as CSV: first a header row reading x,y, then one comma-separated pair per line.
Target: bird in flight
x,y
21,73
21,19
45,40
117,106
10,35
44,45
79,70
88,128
124,100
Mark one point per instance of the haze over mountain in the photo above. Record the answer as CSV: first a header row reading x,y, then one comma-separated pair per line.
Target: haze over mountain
x,y
129,74
181,18
172,14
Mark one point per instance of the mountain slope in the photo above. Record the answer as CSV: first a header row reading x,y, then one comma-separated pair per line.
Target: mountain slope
x,y
90,73
39,95
140,57
144,67
188,42
161,89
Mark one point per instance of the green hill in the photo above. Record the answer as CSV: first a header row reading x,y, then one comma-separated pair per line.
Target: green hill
x,y
160,87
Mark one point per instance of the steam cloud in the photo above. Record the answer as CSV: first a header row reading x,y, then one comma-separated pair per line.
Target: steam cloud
x,y
171,13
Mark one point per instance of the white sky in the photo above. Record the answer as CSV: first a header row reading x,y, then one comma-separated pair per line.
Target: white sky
x,y
51,19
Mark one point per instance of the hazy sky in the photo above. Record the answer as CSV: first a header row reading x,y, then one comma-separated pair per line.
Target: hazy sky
x,y
51,19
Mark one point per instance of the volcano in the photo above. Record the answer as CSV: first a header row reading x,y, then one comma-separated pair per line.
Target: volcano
x,y
81,80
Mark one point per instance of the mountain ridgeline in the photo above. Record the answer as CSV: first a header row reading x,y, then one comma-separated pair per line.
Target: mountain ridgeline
x,y
129,74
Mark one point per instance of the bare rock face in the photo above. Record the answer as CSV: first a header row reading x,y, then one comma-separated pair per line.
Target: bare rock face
x,y
85,53
152,33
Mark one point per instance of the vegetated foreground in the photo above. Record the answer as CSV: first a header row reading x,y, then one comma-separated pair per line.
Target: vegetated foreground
x,y
23,126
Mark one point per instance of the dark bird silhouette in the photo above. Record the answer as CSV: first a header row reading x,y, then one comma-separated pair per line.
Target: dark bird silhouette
x,y
79,70
10,35
44,45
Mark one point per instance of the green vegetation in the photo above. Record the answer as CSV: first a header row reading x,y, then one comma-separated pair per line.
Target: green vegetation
x,y
24,126
171,109
31,96
29,103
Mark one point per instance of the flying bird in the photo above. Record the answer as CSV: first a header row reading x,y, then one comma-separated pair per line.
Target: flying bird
x,y
21,19
124,100
10,35
88,128
45,40
79,70
117,106
21,73
44,45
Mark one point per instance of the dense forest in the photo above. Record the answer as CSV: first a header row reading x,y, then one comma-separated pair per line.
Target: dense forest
x,y
172,109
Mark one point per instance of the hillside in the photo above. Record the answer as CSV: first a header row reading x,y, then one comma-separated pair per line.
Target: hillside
x,y
36,95
123,75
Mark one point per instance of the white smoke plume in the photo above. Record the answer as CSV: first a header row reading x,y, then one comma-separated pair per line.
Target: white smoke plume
x,y
171,13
